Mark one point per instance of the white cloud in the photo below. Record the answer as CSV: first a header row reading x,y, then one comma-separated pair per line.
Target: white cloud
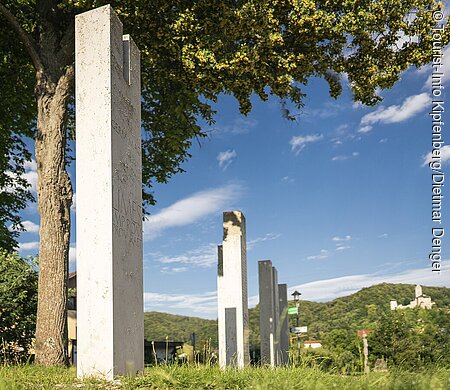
x,y
340,239
340,158
72,255
343,157
365,129
74,202
325,290
340,129
299,142
327,110
288,179
226,158
445,156
342,242
28,246
383,140
30,226
169,270
191,209
31,174
30,165
322,255
238,126
198,303
384,235
205,256
268,237
253,300
395,113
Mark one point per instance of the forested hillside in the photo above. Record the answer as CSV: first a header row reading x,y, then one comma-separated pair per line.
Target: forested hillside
x,y
179,328
335,323
362,309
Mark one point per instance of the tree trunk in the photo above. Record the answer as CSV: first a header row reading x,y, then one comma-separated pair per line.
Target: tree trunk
x,y
54,201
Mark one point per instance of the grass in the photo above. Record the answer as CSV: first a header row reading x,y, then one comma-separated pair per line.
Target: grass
x,y
203,377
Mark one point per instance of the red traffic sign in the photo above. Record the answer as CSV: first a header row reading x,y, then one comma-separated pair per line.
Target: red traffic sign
x,y
363,332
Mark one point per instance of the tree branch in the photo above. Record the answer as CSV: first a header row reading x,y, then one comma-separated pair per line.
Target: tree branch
x,y
26,39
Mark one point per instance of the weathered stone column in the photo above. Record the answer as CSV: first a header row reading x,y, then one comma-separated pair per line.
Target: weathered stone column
x,y
232,293
267,318
110,331
284,324
276,318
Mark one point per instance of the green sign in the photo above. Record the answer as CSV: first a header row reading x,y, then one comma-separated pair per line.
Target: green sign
x,y
292,310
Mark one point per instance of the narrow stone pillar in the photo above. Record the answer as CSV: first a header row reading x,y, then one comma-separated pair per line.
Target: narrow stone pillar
x,y
276,318
232,293
267,312
284,324
110,326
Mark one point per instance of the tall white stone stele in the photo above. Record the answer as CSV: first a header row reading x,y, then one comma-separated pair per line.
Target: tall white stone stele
x,y
110,326
232,293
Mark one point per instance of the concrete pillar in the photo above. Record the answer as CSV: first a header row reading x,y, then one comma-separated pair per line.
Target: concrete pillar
x,y
232,293
276,318
284,324
110,328
267,312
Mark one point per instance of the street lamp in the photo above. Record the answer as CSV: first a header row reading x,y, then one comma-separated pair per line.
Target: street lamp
x,y
296,296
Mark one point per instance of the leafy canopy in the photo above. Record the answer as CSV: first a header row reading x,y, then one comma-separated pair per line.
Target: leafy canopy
x,y
16,121
195,50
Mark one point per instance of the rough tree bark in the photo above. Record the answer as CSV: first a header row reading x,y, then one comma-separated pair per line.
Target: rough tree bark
x,y
53,58
54,201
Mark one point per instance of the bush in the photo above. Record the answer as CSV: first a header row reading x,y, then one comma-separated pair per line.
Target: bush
x,y
412,338
18,305
347,363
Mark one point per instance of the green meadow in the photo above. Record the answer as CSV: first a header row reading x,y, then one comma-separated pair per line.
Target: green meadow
x,y
207,377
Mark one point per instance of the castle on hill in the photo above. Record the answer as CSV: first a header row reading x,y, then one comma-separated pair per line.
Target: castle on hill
x,y
421,301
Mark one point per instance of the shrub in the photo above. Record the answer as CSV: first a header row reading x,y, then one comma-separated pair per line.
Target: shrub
x,y
18,304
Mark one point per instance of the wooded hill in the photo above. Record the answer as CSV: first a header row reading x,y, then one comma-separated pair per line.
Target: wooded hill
x,y
325,320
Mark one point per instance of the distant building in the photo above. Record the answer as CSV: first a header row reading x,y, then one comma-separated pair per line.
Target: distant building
x,y
421,301
313,344
72,317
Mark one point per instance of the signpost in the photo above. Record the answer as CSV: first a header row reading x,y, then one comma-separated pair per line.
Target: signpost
x,y
293,310
300,329
296,296
363,332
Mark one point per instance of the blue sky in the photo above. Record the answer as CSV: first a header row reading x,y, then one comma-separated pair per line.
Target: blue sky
x,y
339,200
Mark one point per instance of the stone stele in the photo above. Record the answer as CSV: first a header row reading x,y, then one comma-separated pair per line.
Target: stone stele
x,y
232,293
110,326
267,316
283,325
